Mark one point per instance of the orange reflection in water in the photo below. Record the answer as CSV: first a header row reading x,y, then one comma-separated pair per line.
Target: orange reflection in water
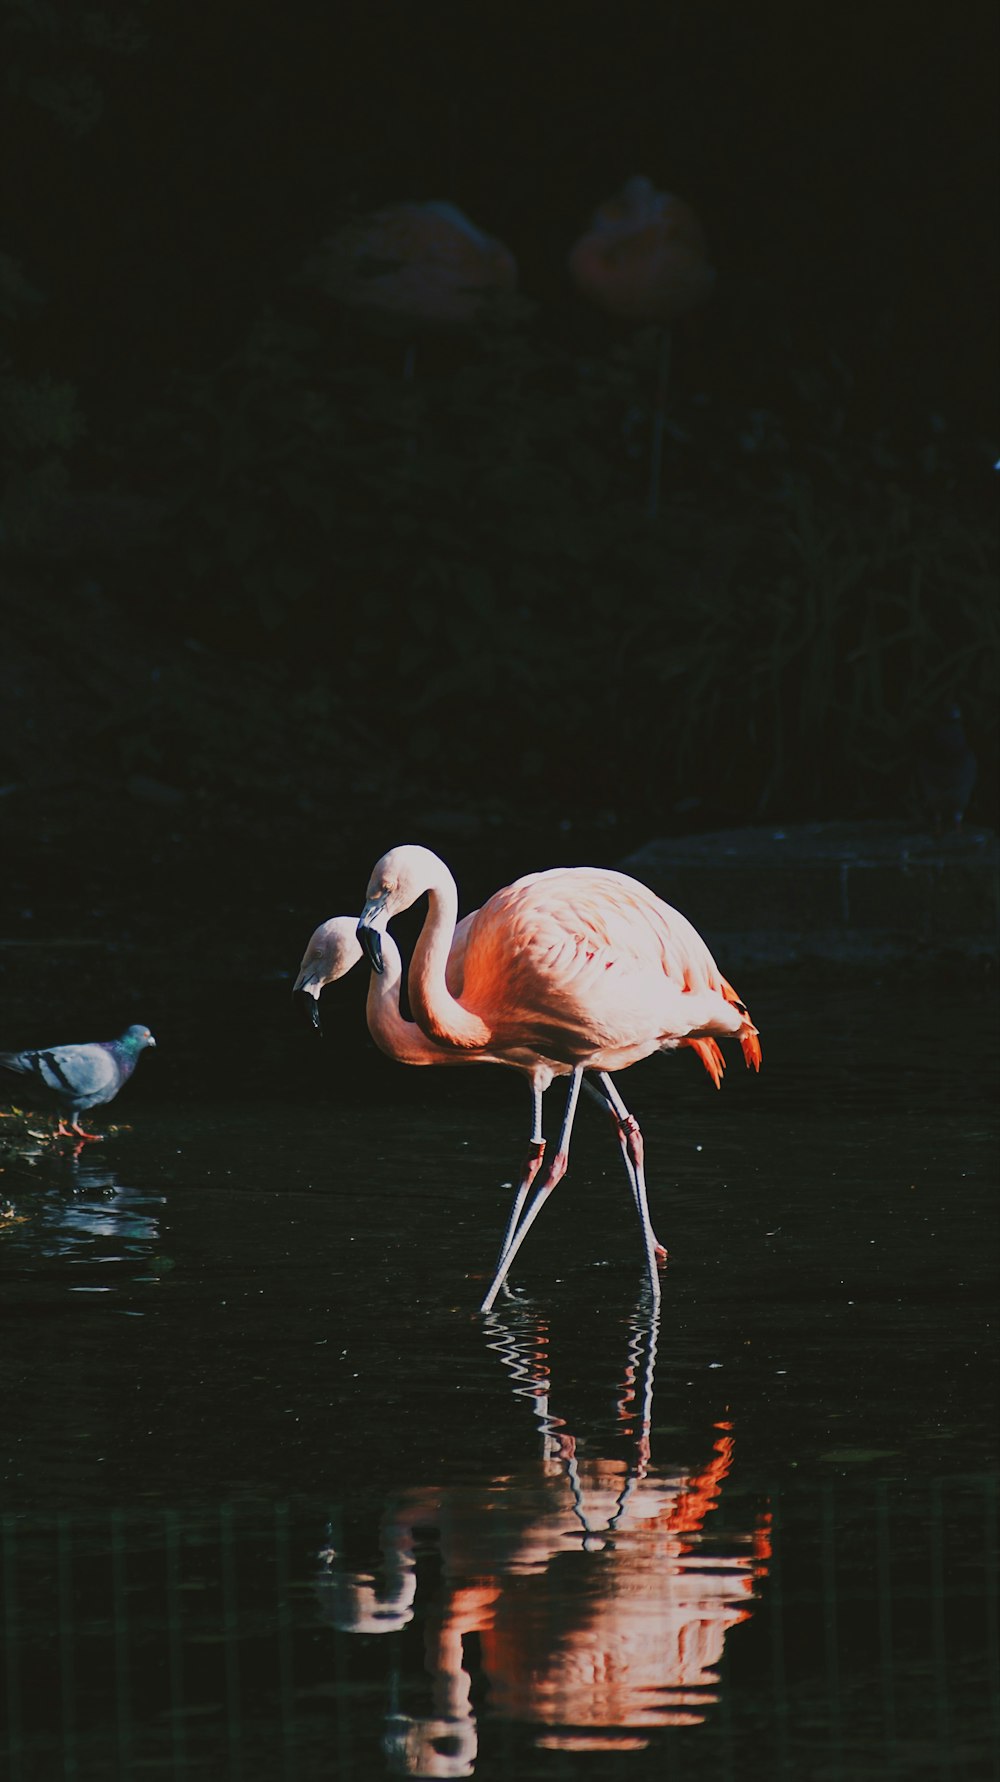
x,y
599,1594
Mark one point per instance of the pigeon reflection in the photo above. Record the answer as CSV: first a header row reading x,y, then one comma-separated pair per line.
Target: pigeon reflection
x,y
600,1597
90,1215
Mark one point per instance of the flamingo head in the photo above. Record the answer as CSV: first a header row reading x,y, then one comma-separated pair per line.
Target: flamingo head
x,y
398,879
332,952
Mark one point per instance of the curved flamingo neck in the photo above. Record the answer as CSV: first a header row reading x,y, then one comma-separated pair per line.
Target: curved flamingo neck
x,y
392,1033
437,1011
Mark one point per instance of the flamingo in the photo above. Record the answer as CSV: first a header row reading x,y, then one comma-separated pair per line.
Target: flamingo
x,y
334,950
427,263
644,258
578,968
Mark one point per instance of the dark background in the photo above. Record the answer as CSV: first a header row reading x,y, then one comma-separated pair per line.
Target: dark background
x,y
270,606
256,575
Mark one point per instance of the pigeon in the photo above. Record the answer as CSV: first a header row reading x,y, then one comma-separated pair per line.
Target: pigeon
x,y
945,771
80,1077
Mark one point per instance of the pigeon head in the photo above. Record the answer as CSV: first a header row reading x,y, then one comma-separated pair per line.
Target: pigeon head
x,y
136,1038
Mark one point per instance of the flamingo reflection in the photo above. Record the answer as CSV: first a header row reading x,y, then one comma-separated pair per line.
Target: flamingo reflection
x,y
600,1595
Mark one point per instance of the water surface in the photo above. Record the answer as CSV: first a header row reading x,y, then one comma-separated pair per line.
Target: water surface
x,y
279,1502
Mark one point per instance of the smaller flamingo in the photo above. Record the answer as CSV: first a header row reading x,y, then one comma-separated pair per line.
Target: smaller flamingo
x,y
643,258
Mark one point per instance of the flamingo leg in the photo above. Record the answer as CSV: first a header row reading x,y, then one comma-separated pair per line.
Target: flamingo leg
x,y
555,1175
608,1105
532,1165
630,1138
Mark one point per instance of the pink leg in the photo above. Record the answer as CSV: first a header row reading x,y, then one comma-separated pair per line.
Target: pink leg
x,y
532,1165
75,1131
630,1139
557,1169
555,1174
633,1153
633,1150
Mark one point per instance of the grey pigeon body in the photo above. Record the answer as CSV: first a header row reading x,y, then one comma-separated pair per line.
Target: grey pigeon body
x,y
78,1077
945,771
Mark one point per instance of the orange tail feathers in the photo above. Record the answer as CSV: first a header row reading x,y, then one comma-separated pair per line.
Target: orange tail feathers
x,y
748,1038
710,1056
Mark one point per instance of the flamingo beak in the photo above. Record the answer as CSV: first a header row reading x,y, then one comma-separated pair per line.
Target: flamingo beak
x,y
368,934
307,997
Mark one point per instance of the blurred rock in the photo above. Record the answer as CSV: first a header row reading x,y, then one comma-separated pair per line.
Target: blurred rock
x,y
837,891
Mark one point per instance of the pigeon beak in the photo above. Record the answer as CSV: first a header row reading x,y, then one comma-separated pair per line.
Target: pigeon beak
x,y
368,934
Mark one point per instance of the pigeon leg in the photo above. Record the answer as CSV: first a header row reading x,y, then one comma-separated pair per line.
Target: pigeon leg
x,y
76,1131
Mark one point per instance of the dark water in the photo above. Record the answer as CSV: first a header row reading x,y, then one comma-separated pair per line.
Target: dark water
x,y
278,1502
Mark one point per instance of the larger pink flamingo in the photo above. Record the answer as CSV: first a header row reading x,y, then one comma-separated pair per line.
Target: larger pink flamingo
x,y
643,257
334,950
578,968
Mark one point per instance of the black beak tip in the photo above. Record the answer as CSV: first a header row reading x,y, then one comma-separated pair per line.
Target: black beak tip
x,y
371,945
310,1008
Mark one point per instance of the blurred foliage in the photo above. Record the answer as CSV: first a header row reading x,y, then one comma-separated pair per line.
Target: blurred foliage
x,y
53,63
437,546
448,538
56,56
40,421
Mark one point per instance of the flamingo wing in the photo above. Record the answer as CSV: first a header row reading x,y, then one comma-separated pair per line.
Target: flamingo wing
x,y
588,962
